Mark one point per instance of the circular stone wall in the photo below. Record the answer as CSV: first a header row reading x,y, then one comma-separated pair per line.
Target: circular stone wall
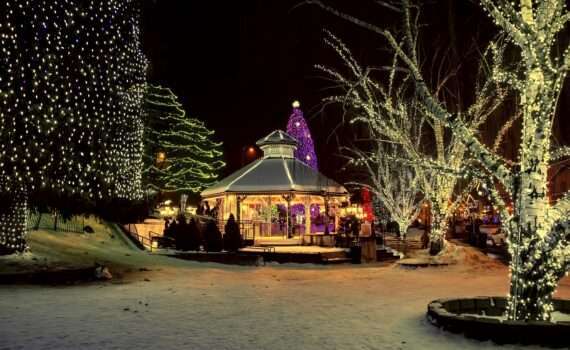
x,y
480,318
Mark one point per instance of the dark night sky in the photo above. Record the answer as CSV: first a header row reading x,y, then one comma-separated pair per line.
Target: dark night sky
x,y
239,66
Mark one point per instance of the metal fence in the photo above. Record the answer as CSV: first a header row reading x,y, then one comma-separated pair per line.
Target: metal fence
x,y
50,221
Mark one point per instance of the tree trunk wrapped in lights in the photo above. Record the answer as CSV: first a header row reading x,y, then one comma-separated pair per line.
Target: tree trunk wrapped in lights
x,y
70,101
13,222
538,232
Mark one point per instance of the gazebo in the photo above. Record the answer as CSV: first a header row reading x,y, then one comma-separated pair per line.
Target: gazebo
x,y
278,196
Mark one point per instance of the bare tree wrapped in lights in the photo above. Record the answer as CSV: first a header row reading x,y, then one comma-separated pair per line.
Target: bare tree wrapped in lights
x,y
298,128
394,116
188,159
71,85
538,231
396,185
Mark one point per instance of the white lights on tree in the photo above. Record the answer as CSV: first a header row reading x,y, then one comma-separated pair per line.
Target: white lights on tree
x,y
395,184
393,117
71,84
180,154
538,231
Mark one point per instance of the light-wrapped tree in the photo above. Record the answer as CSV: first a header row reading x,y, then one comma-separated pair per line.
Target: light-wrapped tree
x,y
72,78
394,115
538,231
180,155
298,128
396,184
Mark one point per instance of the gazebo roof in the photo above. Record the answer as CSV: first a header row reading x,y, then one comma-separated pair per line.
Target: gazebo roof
x,y
274,175
277,137
277,172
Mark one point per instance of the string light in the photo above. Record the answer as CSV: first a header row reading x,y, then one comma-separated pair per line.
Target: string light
x,y
192,161
72,79
538,232
298,128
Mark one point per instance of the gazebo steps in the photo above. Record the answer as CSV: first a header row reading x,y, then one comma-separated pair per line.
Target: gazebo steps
x,y
335,260
277,243
339,257
300,254
383,254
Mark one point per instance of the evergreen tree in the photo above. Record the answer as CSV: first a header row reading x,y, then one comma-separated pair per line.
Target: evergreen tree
x,y
180,155
194,236
232,236
72,77
298,128
212,237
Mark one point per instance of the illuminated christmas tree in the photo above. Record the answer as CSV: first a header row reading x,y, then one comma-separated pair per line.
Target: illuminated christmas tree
x,y
298,128
72,78
180,155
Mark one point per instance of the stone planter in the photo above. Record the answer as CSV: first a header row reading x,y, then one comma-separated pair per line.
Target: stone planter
x,y
479,318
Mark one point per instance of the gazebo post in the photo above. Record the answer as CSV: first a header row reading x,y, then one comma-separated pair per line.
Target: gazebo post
x,y
308,215
239,199
327,219
336,218
287,198
269,216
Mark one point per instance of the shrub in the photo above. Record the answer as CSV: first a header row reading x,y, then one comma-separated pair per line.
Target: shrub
x,y
232,236
193,238
212,237
181,233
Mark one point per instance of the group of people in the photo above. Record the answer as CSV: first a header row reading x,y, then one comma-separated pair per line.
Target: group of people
x,y
189,235
184,234
204,209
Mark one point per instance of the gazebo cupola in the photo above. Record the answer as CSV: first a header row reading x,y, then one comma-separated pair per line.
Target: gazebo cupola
x,y
278,144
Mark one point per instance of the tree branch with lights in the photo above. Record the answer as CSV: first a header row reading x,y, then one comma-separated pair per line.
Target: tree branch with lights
x,y
395,184
538,231
394,114
180,155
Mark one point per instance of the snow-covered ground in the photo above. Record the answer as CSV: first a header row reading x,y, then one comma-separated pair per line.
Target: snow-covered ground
x,y
185,305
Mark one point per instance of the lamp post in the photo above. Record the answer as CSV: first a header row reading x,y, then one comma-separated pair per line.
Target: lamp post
x,y
160,158
247,152
160,162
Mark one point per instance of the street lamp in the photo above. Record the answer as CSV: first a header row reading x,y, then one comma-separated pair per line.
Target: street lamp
x,y
247,152
160,157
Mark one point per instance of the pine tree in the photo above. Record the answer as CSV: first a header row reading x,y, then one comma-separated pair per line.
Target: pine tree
x,y
180,155
298,128
70,98
232,236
